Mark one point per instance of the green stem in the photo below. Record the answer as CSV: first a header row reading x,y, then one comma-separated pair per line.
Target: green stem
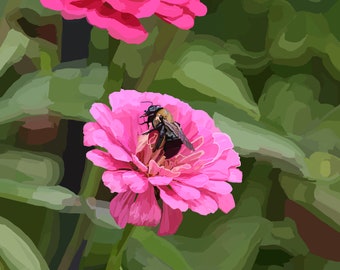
x,y
163,41
92,174
91,180
90,183
115,75
115,260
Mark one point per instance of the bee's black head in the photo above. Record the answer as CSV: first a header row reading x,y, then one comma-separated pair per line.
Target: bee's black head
x,y
152,110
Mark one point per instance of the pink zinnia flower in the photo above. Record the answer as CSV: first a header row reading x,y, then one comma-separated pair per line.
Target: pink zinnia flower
x,y
121,17
151,189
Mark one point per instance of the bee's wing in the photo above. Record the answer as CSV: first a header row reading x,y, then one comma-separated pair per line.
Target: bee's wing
x,y
175,128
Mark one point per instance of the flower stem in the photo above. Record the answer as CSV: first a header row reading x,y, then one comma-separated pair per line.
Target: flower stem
x,y
90,183
115,74
162,43
92,174
115,260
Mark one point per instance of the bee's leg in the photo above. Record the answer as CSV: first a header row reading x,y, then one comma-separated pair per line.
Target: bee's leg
x,y
161,138
149,131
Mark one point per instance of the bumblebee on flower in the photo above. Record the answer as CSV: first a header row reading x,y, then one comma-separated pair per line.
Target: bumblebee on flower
x,y
196,180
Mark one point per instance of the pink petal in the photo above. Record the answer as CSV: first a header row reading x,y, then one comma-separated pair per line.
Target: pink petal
x,y
171,219
235,175
191,158
139,9
88,130
197,181
175,2
104,117
52,4
225,202
233,158
223,141
101,139
114,181
185,192
217,170
184,22
204,205
159,180
172,199
119,25
137,182
218,187
140,166
123,98
145,210
170,11
155,169
196,7
120,207
105,160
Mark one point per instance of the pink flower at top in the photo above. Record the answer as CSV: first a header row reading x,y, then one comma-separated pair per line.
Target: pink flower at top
x,y
121,17
151,189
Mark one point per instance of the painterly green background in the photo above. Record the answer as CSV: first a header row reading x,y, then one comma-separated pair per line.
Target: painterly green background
x,y
267,71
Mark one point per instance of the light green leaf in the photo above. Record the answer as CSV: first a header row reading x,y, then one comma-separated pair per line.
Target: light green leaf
x,y
17,250
30,167
208,68
12,49
68,91
254,141
160,248
53,197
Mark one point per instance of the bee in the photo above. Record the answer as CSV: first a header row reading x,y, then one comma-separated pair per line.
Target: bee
x,y
171,136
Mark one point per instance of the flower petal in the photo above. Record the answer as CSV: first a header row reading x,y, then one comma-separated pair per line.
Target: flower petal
x,y
160,180
235,175
105,160
137,182
54,5
104,117
120,207
172,199
171,219
88,130
218,187
225,202
145,210
122,26
185,192
101,139
204,205
196,7
140,9
197,181
114,181
170,11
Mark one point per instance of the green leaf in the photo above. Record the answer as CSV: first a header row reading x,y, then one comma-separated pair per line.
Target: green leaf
x,y
12,49
254,141
294,37
160,248
206,66
30,167
54,197
231,245
17,250
284,235
321,198
325,134
292,103
68,91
